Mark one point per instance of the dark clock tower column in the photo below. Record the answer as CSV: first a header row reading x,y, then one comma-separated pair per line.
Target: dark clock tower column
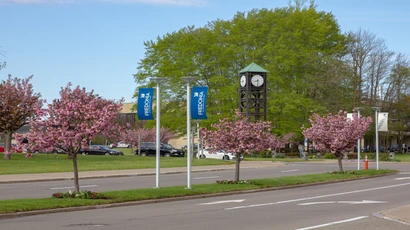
x,y
252,92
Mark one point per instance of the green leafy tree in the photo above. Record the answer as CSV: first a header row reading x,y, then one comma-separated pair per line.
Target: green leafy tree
x,y
300,46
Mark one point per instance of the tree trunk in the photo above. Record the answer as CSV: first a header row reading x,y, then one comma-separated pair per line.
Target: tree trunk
x,y
76,184
7,145
339,161
7,157
238,160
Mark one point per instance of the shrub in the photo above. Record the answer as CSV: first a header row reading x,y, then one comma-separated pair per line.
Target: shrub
x,y
329,156
293,154
234,182
344,172
84,194
279,155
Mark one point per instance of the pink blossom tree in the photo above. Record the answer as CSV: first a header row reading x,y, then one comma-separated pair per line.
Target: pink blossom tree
x,y
336,133
17,104
241,136
69,123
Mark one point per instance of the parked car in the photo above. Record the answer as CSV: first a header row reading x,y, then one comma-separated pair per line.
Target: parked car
x,y
166,150
101,150
123,145
113,145
196,147
395,148
12,149
221,154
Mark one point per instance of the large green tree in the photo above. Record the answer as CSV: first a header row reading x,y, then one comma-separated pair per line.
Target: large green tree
x,y
301,47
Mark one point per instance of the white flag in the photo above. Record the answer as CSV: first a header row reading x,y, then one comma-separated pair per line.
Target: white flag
x,y
382,122
350,116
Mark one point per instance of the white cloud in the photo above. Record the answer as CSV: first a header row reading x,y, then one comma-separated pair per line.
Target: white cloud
x,y
156,2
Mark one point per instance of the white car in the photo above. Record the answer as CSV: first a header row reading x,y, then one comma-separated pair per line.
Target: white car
x,y
207,153
123,145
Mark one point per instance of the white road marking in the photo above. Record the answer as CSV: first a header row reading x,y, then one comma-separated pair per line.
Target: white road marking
x,y
85,186
208,177
318,197
333,223
362,202
345,202
323,202
223,202
402,178
292,170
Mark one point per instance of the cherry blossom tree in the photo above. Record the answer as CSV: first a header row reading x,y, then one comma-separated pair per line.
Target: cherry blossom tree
x,y
241,136
69,123
17,104
336,133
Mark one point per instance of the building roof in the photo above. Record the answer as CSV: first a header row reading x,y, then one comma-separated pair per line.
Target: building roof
x,y
128,108
253,67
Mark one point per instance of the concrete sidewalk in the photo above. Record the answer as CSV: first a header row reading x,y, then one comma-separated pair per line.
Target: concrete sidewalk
x,y
399,214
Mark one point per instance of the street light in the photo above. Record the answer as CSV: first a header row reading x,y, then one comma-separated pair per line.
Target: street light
x,y
358,141
158,81
377,109
188,81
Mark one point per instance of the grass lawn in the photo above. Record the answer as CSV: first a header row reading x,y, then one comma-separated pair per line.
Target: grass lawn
x,y
45,163
404,157
20,205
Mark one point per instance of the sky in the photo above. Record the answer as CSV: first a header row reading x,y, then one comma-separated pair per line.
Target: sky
x,y
97,44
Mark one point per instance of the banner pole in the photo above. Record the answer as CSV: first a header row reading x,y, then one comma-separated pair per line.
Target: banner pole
x,y
158,81
188,80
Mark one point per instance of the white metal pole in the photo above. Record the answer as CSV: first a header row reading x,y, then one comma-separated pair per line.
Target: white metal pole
x,y
188,129
158,141
197,132
188,122
377,138
158,146
358,144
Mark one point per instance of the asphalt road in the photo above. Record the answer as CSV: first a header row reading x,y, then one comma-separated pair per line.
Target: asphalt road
x,y
45,189
346,205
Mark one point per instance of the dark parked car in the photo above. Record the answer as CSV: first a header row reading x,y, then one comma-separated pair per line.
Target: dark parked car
x,y
101,150
167,150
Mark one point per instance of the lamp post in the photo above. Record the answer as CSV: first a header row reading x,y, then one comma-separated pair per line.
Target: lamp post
x,y
358,141
377,109
188,81
158,81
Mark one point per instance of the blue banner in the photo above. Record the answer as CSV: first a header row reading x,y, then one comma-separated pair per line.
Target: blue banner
x,y
198,103
145,96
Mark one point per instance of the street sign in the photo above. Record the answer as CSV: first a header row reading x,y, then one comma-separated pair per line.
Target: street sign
x,y
203,132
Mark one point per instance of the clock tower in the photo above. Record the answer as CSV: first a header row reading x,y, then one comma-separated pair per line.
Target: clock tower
x,y
252,92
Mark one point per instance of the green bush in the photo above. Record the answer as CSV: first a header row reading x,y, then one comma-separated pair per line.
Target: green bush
x,y
370,156
294,154
329,156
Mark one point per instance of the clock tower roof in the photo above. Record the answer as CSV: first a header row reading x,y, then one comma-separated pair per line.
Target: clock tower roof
x,y
253,67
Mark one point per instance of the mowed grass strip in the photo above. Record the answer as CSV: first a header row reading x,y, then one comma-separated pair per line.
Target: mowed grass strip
x,y
47,163
21,205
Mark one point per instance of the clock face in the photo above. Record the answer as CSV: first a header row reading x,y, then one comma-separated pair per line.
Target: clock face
x,y
243,80
257,80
